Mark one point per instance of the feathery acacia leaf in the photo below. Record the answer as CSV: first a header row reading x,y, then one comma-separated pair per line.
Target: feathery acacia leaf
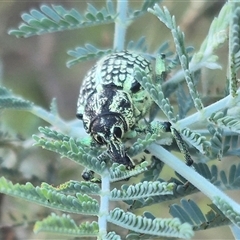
x,y
226,122
234,54
216,36
145,5
159,227
156,93
50,198
178,37
9,101
66,225
141,190
73,187
56,18
222,179
112,236
141,144
191,213
154,170
138,46
70,148
227,210
119,172
88,52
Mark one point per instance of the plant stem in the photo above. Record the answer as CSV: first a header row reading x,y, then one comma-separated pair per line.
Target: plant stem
x,y
192,176
226,102
104,204
120,25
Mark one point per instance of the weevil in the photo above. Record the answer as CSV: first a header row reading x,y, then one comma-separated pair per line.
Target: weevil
x,y
112,102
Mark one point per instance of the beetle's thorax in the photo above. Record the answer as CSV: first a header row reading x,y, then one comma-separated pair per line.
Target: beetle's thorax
x,y
107,108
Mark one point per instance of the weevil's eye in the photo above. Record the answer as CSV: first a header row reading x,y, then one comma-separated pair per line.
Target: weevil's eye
x,y
117,131
99,139
79,116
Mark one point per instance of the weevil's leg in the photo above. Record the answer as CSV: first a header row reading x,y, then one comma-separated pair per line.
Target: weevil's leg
x,y
88,175
152,127
167,127
182,146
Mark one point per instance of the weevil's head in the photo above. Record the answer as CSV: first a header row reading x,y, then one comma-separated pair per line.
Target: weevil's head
x,y
108,129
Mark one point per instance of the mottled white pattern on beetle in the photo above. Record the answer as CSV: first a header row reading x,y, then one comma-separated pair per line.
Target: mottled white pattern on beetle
x,y
119,72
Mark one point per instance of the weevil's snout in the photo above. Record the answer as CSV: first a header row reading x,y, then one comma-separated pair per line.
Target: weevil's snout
x,y
117,152
108,129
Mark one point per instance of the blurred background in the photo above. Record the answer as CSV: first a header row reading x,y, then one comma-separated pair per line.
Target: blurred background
x,y
35,68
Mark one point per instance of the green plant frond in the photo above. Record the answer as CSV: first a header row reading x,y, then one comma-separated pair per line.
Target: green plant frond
x,y
139,236
55,135
133,14
230,146
234,51
119,172
154,170
233,179
72,187
222,179
73,150
4,92
112,236
197,140
54,107
139,46
180,190
228,210
52,134
191,213
88,52
65,225
141,143
158,227
178,36
217,35
230,123
156,94
210,173
50,198
9,101
141,190
164,49
56,18
184,101
217,148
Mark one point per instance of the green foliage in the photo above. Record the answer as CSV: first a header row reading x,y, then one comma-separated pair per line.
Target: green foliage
x,y
57,18
7,100
88,52
158,227
141,190
215,136
191,213
66,226
81,203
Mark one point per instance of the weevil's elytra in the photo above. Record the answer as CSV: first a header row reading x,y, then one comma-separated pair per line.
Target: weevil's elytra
x,y
111,101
